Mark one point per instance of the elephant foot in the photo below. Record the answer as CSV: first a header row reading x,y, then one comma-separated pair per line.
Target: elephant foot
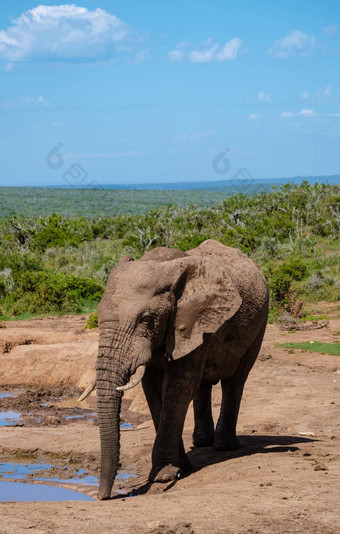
x,y
203,438
185,463
229,443
166,473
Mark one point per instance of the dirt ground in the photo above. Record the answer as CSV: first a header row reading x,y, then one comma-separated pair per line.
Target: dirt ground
x,y
284,479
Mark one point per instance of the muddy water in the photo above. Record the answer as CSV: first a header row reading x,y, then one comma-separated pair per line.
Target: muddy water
x,y
9,418
14,484
45,472
11,394
14,477
17,491
39,407
39,479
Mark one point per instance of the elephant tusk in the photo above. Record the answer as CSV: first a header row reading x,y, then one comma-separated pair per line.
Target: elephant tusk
x,y
87,391
135,379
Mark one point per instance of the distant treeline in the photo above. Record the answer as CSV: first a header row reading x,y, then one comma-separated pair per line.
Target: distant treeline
x,y
76,202
60,264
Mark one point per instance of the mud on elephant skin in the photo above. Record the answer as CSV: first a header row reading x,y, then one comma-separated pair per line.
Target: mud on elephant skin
x,y
179,322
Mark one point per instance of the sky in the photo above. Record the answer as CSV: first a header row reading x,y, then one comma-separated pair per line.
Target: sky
x,y
99,92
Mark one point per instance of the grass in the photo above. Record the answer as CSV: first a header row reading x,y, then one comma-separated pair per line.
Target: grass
x,y
310,317
313,346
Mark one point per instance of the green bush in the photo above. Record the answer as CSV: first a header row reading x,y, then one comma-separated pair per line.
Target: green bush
x,y
285,274
57,231
43,292
92,321
2,288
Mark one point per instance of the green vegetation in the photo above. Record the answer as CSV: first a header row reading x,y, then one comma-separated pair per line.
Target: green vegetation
x,y
313,346
92,321
75,202
60,264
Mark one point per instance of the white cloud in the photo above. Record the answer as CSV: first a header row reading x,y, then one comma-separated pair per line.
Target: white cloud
x,y
301,113
208,52
64,33
253,116
332,29
176,55
307,113
203,56
142,56
25,102
324,92
9,67
264,97
287,114
296,43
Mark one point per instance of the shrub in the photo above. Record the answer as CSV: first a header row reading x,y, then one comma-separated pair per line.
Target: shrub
x,y
92,321
42,292
2,287
315,281
286,273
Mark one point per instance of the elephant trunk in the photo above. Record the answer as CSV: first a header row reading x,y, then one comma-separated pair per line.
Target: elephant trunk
x,y
109,417
111,373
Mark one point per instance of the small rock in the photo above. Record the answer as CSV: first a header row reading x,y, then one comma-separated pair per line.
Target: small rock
x,y
155,524
264,357
311,434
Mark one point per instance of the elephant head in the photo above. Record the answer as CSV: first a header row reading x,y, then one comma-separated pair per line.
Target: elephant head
x,y
165,303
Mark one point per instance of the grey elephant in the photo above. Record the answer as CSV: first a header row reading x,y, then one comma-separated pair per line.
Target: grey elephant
x,y
180,322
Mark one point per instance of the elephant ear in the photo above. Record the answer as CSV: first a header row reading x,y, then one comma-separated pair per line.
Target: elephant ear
x,y
207,298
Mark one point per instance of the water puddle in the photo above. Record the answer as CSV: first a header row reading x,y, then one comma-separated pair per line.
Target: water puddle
x,y
37,471
86,416
17,491
42,407
45,472
11,394
10,418
126,426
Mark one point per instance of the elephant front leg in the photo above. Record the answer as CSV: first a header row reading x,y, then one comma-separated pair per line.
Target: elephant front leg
x,y
203,435
152,387
180,382
169,460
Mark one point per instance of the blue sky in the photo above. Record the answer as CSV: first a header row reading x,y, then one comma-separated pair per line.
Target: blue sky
x,y
155,91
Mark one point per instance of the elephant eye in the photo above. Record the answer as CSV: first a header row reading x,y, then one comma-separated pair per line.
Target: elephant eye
x,y
147,319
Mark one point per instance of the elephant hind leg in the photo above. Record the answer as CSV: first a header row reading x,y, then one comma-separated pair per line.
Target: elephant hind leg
x,y
204,433
232,389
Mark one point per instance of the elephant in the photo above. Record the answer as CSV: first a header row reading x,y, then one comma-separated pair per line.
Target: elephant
x,y
179,322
